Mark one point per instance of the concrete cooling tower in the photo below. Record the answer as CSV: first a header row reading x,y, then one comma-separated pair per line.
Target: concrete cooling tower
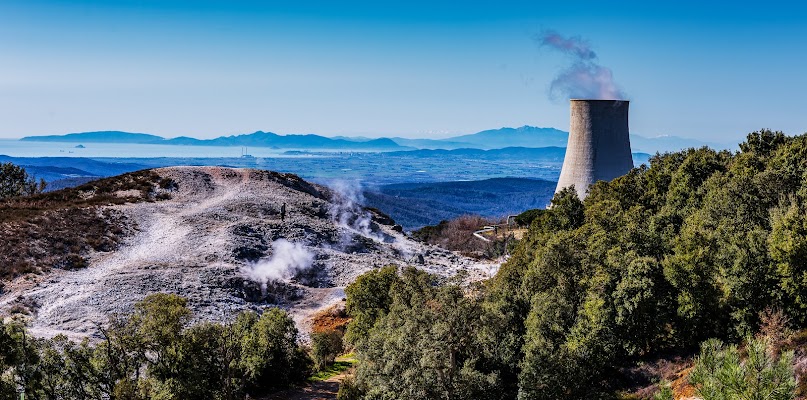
x,y
599,145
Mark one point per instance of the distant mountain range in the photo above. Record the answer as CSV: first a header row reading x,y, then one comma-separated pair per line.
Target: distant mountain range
x,y
525,136
256,139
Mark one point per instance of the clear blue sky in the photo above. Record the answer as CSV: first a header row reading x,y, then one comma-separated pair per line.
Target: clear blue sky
x,y
416,68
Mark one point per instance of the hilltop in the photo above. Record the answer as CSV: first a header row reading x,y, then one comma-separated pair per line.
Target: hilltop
x,y
214,235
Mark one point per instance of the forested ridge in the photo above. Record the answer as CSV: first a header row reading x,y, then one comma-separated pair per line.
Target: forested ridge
x,y
697,246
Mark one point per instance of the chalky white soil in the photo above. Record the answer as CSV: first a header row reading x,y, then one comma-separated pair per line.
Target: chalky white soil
x,y
199,243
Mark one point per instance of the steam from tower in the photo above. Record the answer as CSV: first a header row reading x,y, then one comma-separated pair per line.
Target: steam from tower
x,y
584,78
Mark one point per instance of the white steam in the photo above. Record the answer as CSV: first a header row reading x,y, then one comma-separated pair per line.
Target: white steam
x,y
347,211
584,78
287,260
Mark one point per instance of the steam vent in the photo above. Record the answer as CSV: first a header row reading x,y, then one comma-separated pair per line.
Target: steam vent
x,y
599,145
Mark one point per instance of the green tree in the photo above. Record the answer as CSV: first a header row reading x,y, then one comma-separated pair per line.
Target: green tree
x,y
270,355
325,347
368,299
153,354
196,366
15,181
425,347
763,142
788,247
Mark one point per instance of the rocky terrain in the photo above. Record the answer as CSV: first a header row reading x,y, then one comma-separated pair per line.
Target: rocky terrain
x,y
218,237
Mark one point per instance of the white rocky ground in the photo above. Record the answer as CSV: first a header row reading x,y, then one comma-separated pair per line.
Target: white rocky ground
x,y
221,226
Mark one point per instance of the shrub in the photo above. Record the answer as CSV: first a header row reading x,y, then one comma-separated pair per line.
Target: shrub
x,y
721,374
270,355
325,347
525,219
350,390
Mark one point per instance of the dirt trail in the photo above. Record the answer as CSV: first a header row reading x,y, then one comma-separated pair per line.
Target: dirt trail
x,y
325,390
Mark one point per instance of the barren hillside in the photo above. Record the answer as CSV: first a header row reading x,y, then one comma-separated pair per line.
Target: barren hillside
x,y
217,237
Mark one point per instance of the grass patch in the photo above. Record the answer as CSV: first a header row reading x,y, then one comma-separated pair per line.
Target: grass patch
x,y
341,364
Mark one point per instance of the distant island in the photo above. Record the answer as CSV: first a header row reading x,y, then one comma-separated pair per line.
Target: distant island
x,y
525,136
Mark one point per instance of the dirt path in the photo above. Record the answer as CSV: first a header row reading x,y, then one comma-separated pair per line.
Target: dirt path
x,y
325,390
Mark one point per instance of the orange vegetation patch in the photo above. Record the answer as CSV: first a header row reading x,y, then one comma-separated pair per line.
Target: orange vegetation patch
x,y
681,387
331,319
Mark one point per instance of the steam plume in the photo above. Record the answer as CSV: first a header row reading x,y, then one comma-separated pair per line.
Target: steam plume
x,y
584,78
346,209
286,261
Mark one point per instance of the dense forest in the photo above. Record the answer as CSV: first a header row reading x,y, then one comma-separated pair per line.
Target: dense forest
x,y
702,244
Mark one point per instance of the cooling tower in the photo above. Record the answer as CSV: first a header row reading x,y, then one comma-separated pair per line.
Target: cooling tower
x,y
599,145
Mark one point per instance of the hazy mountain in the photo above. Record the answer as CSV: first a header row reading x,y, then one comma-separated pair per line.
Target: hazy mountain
x,y
444,144
525,136
73,164
352,138
256,139
98,137
269,139
530,136
50,173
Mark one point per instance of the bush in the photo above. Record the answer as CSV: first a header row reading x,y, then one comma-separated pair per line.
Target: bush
x,y
665,392
270,355
350,390
721,374
369,298
525,219
325,347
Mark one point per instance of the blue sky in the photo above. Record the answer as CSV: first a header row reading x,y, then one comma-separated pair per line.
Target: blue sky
x,y
415,69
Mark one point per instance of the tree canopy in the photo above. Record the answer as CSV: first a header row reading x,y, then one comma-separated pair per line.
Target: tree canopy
x,y
693,247
155,354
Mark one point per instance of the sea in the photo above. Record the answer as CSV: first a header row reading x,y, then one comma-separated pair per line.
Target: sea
x,y
18,148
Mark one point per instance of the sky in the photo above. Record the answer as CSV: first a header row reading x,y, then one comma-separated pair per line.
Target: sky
x,y
419,69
